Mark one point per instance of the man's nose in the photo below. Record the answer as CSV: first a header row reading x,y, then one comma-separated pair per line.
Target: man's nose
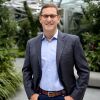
x,y
49,18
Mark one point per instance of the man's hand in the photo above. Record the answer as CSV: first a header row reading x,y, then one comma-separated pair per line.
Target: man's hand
x,y
68,98
34,97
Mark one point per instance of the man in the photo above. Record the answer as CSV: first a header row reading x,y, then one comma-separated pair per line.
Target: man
x,y
48,71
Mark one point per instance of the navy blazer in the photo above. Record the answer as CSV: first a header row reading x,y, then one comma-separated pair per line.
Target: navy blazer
x,y
69,54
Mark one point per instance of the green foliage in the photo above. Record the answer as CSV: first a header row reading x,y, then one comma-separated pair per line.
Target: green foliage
x,y
28,28
91,18
33,20
9,78
92,50
23,34
91,34
9,81
19,53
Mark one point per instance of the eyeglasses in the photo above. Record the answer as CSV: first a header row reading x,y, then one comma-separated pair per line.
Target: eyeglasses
x,y
51,16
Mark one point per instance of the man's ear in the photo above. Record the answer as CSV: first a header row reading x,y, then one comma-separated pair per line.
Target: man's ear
x,y
40,19
59,18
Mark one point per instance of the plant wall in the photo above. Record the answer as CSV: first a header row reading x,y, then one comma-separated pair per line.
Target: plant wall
x,y
91,34
9,78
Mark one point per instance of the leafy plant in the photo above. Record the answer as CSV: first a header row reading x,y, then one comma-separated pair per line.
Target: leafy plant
x,y
23,34
90,34
9,78
33,20
28,28
91,19
92,50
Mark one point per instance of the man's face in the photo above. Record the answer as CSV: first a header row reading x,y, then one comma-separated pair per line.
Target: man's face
x,y
49,19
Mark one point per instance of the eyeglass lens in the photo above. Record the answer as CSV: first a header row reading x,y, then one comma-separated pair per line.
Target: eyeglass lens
x,y
51,16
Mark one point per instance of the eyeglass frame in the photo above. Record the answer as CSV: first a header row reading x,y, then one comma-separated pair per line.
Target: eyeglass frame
x,y
51,16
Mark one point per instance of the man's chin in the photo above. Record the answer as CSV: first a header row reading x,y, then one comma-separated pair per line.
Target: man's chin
x,y
49,29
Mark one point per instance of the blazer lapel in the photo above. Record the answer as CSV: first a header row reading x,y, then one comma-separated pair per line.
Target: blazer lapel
x,y
60,46
38,48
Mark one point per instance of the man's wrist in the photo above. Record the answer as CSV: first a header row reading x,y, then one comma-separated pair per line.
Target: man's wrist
x,y
69,98
32,96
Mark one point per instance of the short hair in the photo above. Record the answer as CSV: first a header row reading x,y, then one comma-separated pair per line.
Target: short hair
x,y
48,6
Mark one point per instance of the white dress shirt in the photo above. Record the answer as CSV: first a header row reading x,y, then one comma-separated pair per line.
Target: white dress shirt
x,y
50,79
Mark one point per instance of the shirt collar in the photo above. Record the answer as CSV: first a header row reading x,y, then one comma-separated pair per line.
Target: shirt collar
x,y
54,37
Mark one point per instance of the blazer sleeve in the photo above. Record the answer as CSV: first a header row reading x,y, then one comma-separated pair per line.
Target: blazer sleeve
x,y
82,71
27,73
